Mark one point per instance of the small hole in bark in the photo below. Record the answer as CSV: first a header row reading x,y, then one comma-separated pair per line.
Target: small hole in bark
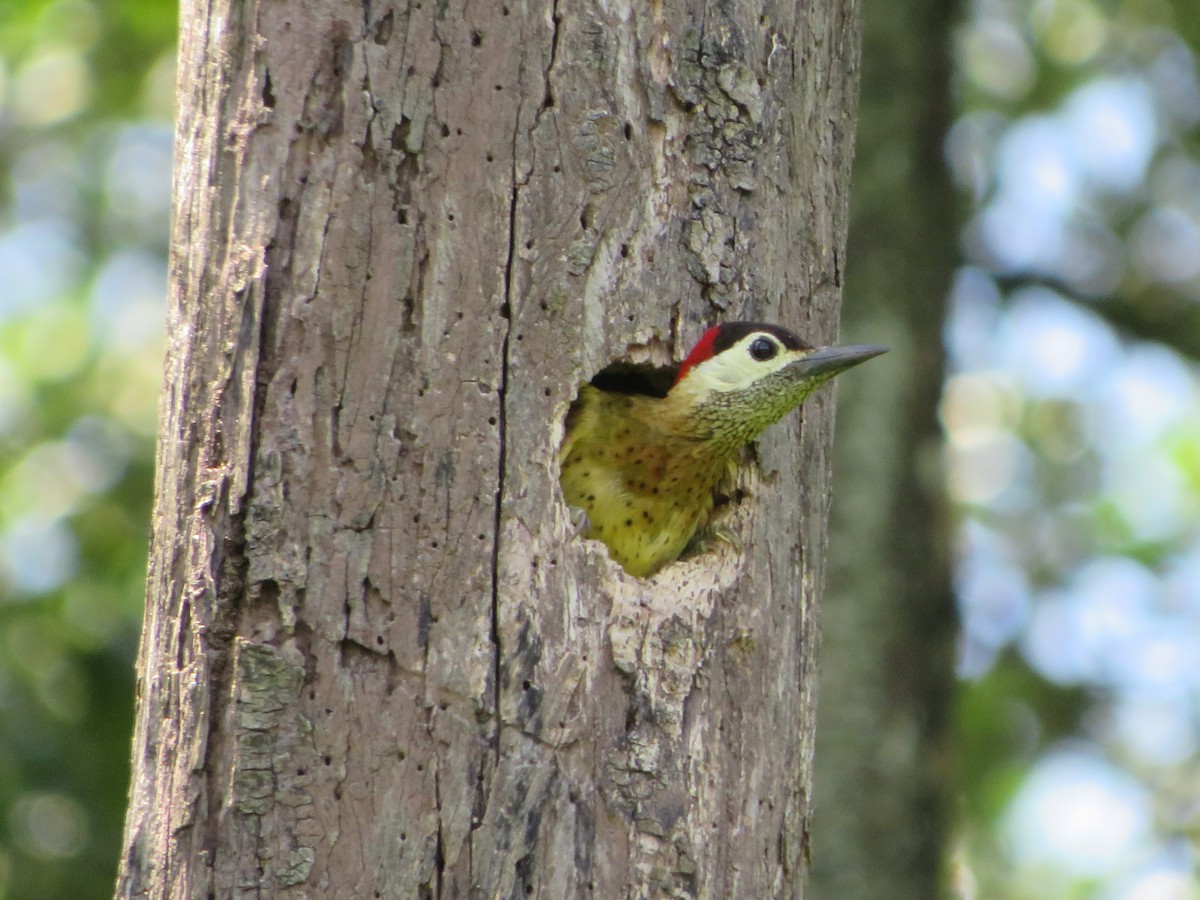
x,y
490,158
628,131
433,544
328,760
546,392
498,87
476,38
420,768
504,10
557,169
379,639
401,755
450,217
403,837
445,130
525,685
491,420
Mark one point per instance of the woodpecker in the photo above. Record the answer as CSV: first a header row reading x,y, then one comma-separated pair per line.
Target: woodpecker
x,y
643,468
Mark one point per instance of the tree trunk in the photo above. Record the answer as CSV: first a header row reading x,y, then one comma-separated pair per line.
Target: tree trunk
x,y
883,771
376,659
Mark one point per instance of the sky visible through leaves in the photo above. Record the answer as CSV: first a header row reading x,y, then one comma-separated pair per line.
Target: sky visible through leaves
x,y
86,93
1072,421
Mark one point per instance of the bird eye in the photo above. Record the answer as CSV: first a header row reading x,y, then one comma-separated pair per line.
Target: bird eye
x,y
763,349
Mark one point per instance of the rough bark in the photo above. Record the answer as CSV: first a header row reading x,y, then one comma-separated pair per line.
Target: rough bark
x,y
883,768
376,661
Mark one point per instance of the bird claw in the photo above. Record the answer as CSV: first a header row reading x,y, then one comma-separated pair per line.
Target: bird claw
x,y
707,538
579,521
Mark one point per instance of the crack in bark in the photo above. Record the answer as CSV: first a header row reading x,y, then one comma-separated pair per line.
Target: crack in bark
x,y
440,855
547,94
501,431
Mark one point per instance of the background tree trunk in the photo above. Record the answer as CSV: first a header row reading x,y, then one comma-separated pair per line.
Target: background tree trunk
x,y
376,662
887,675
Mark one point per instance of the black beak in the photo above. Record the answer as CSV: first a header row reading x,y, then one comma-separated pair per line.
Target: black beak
x,y
828,361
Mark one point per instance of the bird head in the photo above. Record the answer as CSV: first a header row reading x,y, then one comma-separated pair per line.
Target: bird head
x,y
743,376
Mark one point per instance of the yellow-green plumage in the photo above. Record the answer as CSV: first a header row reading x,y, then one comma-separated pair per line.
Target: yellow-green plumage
x,y
643,469
645,483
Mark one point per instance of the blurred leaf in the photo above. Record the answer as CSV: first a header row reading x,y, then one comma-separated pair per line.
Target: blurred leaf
x,y
77,398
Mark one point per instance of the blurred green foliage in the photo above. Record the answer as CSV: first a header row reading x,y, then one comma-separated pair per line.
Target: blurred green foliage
x,y
85,93
1073,435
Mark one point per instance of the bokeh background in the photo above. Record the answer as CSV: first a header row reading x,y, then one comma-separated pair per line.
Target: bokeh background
x,y
1071,417
1072,427
86,93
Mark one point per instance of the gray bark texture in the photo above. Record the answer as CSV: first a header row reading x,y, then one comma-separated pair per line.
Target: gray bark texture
x,y
884,770
377,661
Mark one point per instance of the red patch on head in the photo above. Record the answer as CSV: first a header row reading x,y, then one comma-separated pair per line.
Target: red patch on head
x,y
702,351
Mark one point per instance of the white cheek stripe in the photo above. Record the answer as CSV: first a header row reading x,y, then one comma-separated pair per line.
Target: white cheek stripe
x,y
735,369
